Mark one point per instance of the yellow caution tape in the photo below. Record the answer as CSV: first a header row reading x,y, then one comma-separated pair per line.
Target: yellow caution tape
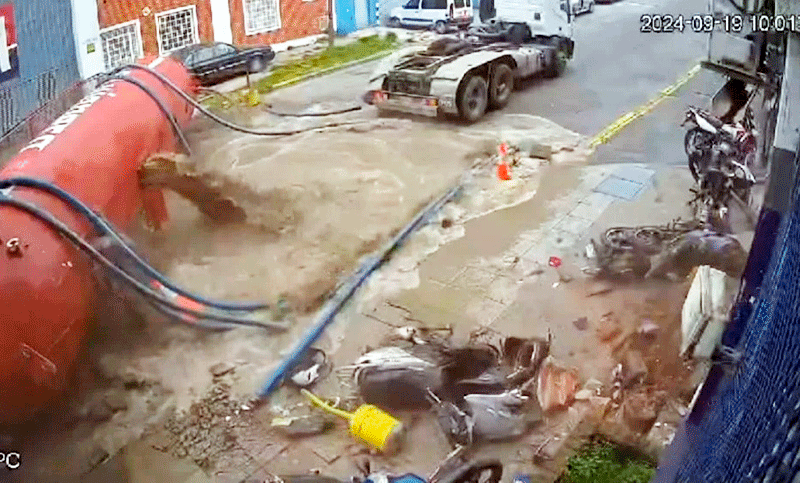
x,y
614,128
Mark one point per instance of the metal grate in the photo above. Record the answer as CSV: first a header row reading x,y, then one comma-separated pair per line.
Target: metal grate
x,y
176,28
8,116
750,430
46,87
122,44
261,16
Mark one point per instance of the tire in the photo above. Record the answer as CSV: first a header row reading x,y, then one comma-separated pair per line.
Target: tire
x,y
394,22
694,144
501,86
256,65
440,26
559,64
473,98
591,7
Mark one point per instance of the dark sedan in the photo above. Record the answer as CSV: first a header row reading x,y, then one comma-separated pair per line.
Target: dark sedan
x,y
215,62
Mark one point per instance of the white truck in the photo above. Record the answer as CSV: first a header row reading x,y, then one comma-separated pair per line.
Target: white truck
x,y
468,74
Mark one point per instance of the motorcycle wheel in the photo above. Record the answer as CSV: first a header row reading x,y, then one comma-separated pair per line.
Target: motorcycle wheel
x,y
619,238
696,144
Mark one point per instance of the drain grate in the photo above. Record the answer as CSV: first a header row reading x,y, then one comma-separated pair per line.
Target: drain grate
x,y
634,173
626,183
620,188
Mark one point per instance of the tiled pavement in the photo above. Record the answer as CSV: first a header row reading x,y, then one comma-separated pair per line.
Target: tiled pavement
x,y
462,286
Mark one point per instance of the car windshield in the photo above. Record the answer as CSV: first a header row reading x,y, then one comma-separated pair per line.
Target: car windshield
x,y
224,49
412,4
203,54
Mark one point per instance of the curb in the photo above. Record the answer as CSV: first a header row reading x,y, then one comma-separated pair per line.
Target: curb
x,y
322,72
614,128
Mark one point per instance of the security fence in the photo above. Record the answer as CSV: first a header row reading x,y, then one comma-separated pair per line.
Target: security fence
x,y
18,132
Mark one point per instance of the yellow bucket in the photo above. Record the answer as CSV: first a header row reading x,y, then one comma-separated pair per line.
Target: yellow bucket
x,y
369,424
377,429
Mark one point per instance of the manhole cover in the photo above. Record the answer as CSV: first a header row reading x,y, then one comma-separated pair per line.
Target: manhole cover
x,y
620,188
634,173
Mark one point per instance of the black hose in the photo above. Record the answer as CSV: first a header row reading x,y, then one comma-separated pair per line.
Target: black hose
x,y
218,119
170,117
148,293
105,228
313,114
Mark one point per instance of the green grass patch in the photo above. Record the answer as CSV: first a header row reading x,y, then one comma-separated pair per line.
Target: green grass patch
x,y
601,461
330,58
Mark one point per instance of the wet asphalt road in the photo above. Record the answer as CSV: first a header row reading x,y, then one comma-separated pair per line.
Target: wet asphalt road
x,y
616,69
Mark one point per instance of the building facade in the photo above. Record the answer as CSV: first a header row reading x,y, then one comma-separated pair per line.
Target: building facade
x,y
134,28
37,56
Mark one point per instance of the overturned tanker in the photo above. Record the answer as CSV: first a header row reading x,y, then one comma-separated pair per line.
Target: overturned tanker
x,y
47,290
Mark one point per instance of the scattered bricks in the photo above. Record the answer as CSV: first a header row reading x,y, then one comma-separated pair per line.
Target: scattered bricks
x,y
634,369
608,328
556,386
640,411
535,149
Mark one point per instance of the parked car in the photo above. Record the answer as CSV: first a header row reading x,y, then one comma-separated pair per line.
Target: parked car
x,y
438,14
582,6
215,62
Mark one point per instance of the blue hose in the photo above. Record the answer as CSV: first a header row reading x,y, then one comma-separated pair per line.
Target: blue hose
x,y
103,227
335,305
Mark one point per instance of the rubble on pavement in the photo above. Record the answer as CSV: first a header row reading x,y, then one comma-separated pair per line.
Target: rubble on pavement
x,y
668,251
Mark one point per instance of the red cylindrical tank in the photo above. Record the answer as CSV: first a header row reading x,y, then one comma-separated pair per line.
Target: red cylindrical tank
x,y
47,291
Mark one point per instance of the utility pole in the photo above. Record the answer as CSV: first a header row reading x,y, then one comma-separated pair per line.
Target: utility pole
x,y
331,28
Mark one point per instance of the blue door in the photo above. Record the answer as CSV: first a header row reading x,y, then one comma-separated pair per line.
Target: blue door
x,y
345,16
372,12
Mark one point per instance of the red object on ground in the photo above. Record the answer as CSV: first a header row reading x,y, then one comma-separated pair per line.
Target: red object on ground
x,y
503,149
503,173
47,291
554,262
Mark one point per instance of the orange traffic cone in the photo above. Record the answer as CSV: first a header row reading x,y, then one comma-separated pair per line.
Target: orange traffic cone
x,y
503,173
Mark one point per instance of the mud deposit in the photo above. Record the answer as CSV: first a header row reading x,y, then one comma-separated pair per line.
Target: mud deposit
x,y
316,202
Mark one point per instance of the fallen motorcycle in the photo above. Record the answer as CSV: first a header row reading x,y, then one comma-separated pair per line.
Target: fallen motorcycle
x,y
454,470
624,253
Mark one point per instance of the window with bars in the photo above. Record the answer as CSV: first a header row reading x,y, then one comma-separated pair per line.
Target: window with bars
x,y
121,44
261,16
176,28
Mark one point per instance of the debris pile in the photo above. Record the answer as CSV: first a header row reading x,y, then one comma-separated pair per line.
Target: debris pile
x,y
669,251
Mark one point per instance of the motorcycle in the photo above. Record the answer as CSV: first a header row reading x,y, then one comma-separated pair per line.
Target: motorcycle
x,y
738,140
720,157
455,469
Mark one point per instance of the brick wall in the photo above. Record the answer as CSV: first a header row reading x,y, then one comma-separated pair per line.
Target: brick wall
x,y
299,19
113,12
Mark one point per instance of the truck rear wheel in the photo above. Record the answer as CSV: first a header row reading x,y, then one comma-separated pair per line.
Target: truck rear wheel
x,y
558,63
501,86
473,98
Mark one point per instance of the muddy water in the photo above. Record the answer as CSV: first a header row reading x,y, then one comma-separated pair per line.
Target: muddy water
x,y
315,203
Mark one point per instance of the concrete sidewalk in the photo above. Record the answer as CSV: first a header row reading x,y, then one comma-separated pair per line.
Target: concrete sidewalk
x,y
501,283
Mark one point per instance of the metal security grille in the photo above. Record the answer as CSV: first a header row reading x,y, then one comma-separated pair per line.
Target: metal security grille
x,y
46,87
8,115
122,44
261,16
176,28
751,430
